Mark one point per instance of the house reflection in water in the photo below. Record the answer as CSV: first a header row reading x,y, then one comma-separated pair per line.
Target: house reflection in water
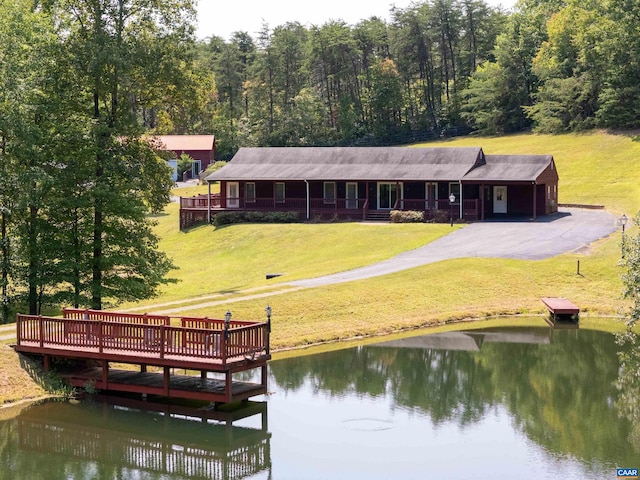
x,y
473,340
134,440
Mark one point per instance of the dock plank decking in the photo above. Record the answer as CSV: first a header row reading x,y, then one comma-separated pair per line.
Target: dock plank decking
x,y
562,312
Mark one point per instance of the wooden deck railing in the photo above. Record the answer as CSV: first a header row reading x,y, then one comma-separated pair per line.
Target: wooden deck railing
x,y
87,314
145,335
200,201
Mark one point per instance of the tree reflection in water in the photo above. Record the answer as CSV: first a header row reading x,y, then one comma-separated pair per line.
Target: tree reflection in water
x,y
562,394
628,383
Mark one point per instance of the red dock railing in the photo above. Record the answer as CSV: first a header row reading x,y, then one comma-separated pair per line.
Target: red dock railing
x,y
148,336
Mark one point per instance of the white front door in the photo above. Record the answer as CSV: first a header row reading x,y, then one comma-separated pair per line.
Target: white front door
x,y
233,195
500,199
352,195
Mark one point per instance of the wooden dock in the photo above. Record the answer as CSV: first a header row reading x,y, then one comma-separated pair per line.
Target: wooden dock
x,y
208,345
562,312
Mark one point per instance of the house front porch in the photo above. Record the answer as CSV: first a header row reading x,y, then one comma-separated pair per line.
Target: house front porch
x,y
346,200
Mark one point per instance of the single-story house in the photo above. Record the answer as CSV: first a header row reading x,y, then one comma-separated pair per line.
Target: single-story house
x,y
369,182
201,148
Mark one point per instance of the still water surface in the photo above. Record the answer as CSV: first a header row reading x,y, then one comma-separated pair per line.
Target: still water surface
x,y
526,403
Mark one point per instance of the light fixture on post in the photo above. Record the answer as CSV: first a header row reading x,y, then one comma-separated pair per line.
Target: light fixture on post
x,y
623,222
452,199
268,312
227,321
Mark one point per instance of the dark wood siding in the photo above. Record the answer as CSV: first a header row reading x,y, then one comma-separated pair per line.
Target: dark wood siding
x,y
414,190
548,178
264,189
541,199
470,192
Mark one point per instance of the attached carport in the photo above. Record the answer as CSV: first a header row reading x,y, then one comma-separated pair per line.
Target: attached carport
x,y
515,185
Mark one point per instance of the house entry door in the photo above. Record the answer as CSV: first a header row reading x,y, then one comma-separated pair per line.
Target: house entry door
x,y
388,194
500,199
233,195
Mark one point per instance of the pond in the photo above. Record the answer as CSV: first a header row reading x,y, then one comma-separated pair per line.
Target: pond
x,y
530,403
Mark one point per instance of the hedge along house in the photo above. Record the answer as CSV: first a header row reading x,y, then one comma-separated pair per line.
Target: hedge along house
x,y
367,183
201,148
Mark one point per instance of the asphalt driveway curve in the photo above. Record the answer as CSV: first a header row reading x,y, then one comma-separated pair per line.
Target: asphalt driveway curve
x,y
568,230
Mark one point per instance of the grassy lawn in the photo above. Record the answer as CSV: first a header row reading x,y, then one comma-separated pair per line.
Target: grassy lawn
x,y
237,257
438,293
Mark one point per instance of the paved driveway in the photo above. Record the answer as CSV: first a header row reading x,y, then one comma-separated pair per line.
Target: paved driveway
x,y
567,231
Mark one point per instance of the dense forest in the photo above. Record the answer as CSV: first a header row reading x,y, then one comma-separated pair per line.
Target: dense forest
x,y
84,82
437,67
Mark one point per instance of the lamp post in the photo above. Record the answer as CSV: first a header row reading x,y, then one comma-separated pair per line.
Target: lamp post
x,y
623,222
227,320
452,199
268,312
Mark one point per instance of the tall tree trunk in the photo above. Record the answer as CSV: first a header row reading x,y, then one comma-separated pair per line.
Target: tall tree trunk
x,y
33,260
4,239
96,267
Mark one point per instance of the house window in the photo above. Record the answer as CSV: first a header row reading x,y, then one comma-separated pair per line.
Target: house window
x,y
455,189
431,195
279,192
329,192
250,192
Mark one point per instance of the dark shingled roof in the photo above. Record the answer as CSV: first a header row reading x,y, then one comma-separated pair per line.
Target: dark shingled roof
x,y
379,164
510,168
348,163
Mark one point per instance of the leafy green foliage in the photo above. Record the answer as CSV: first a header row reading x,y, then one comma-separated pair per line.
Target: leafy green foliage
x,y
79,179
228,218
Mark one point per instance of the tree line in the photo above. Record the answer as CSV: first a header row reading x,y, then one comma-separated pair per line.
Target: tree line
x,y
436,66
84,82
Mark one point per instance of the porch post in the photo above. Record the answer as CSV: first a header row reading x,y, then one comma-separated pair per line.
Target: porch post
x,y
398,196
482,202
308,201
366,202
208,201
461,200
535,199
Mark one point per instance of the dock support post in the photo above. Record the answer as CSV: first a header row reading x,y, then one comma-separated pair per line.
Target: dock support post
x,y
167,376
105,374
228,386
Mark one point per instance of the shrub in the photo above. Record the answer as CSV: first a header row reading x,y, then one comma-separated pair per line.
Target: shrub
x,y
441,216
409,216
228,218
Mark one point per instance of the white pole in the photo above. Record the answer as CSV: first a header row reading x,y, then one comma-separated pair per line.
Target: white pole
x,y
208,202
461,198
